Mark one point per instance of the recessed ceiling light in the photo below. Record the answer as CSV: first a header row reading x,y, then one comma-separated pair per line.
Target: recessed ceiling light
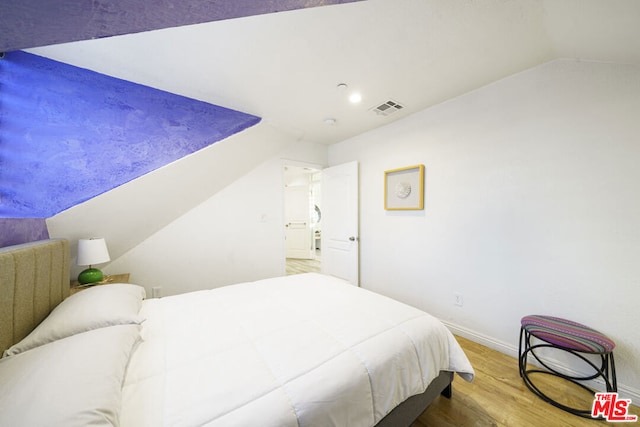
x,y
342,86
329,121
355,98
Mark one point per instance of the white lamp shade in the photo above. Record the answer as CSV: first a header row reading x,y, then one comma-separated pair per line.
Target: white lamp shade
x,y
92,251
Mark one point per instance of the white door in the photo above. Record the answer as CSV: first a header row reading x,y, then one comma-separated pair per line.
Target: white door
x,y
297,222
340,243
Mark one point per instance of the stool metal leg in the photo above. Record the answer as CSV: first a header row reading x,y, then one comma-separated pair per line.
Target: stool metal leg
x,y
609,372
520,361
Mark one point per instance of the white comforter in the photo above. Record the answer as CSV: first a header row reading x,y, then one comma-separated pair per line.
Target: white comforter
x,y
305,350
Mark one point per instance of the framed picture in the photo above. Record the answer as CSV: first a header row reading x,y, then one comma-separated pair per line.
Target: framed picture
x,y
404,188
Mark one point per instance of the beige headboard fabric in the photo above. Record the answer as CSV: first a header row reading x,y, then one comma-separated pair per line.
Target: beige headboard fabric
x,y
34,279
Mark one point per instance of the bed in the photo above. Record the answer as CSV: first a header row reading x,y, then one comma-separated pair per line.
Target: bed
x,y
303,350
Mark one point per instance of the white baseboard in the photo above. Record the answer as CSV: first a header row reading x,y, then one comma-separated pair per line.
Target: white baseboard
x,y
624,391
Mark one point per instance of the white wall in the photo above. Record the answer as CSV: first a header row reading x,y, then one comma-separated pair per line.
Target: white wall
x,y
532,206
129,214
236,235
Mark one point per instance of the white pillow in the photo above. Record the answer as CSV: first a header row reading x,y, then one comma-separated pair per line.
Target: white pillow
x,y
75,381
92,308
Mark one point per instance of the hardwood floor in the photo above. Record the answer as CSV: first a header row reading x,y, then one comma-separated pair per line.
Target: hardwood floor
x,y
498,397
297,266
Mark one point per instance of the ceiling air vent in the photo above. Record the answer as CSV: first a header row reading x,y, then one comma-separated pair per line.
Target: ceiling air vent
x,y
387,108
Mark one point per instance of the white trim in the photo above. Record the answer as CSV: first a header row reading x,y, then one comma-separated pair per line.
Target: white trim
x,y
485,340
624,391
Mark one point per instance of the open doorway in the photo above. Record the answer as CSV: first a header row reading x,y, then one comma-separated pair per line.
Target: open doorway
x,y
303,219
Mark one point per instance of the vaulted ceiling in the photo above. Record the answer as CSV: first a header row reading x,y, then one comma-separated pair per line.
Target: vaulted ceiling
x,y
44,22
286,67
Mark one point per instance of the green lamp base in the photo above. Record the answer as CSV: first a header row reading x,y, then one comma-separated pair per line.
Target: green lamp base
x,y
90,275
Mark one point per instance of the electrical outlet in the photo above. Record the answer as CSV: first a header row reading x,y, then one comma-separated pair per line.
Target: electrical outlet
x,y
457,299
156,292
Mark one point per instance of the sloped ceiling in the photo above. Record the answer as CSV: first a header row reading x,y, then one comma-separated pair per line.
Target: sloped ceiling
x,y
69,134
25,24
285,67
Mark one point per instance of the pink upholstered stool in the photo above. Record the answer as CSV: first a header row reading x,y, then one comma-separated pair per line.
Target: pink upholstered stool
x,y
573,338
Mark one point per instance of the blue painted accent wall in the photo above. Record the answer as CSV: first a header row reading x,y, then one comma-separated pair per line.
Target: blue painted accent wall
x,y
32,23
68,134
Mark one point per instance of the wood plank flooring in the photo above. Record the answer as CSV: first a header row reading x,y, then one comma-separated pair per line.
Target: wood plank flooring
x,y
498,397
298,266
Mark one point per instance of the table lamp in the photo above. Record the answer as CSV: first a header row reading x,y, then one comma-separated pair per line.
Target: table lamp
x,y
91,252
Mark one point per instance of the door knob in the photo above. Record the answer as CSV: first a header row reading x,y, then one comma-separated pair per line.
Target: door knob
x,y
353,239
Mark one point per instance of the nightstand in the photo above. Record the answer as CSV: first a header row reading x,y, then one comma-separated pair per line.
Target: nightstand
x,y
116,278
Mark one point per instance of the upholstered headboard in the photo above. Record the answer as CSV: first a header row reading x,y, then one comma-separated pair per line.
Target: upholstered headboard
x,y
34,278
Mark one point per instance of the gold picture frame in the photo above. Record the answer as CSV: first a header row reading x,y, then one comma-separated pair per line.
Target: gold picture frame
x,y
404,188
